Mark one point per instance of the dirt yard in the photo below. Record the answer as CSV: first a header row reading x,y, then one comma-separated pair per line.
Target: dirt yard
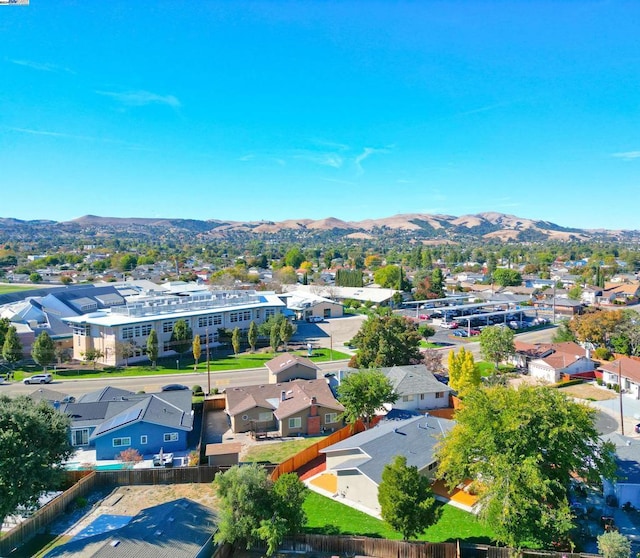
x,y
589,392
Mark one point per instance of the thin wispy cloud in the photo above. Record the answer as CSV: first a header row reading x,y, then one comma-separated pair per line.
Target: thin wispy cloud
x,y
338,181
141,98
261,157
333,160
366,153
41,66
486,108
628,155
64,135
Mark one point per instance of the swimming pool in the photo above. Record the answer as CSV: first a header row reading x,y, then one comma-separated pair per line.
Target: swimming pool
x,y
77,466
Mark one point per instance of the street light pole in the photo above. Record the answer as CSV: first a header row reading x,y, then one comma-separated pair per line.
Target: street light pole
x,y
208,366
620,385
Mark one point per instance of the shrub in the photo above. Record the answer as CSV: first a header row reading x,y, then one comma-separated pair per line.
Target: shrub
x,y
602,353
129,455
214,391
599,381
81,502
616,388
193,459
197,390
608,386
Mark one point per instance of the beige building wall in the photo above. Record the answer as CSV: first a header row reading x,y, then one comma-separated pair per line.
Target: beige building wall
x,y
297,371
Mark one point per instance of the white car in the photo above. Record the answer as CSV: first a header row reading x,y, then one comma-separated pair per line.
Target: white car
x,y
39,379
315,319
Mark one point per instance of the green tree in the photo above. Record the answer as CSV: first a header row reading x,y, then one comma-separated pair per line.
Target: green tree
x,y
274,339
92,355
563,333
496,344
507,277
197,350
406,501
387,276
575,293
253,509
4,328
127,262
522,447
12,348
34,441
43,350
152,347
235,340
387,341
252,336
437,283
286,332
614,545
363,393
181,337
294,257
463,372
35,277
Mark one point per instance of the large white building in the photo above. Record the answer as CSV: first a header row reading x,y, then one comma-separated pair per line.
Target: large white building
x,y
206,312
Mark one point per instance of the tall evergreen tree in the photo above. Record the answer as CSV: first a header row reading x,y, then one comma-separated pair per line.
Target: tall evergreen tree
x,y
43,350
152,347
12,348
252,336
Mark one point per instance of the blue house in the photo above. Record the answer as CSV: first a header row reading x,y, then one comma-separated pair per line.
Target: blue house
x,y
112,420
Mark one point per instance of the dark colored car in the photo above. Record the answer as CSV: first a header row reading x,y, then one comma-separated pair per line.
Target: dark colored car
x,y
174,387
637,428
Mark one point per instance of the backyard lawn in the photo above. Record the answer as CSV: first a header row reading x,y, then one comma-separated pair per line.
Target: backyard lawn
x,y
330,517
277,452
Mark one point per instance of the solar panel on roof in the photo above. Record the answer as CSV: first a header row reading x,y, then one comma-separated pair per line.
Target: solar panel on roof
x,y
120,420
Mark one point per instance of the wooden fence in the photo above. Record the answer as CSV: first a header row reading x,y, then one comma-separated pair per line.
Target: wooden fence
x,y
383,548
45,515
309,454
367,546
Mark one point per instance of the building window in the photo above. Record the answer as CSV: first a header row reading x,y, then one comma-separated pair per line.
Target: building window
x,y
245,417
121,442
143,439
330,418
407,398
246,315
167,327
265,417
295,422
269,312
171,437
439,394
432,466
422,397
233,317
80,437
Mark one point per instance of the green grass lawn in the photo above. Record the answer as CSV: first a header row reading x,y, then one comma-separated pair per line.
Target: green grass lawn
x,y
330,517
5,288
429,345
277,452
218,363
488,368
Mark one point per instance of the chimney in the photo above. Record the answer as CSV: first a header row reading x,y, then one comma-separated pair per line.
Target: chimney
x,y
283,395
314,407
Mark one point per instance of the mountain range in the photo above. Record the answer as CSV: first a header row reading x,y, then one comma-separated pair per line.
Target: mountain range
x,y
416,226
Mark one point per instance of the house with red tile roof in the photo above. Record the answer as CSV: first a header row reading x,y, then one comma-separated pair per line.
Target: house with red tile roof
x,y
558,359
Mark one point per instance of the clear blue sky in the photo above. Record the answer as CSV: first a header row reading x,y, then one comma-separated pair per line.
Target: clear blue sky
x,y
277,110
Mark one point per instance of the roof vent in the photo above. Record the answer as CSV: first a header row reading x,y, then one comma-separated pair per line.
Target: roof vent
x,y
115,543
158,533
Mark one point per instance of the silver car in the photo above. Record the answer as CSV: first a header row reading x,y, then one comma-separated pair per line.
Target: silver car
x,y
39,379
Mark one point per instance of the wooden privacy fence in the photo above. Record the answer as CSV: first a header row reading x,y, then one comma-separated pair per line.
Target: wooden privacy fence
x,y
367,546
309,454
45,515
125,477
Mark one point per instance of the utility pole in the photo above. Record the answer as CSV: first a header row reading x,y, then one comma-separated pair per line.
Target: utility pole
x,y
620,391
206,331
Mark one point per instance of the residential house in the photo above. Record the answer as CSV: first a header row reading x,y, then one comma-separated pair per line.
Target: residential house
x,y
417,387
566,358
626,486
628,368
358,461
286,367
111,420
181,528
299,407
621,293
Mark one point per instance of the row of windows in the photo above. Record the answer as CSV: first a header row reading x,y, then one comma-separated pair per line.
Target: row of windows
x,y
295,422
129,332
243,316
406,398
167,327
212,338
211,320
126,441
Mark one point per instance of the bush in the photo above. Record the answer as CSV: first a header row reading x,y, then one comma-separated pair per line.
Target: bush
x,y
214,391
608,386
599,381
197,390
130,455
602,353
616,388
81,502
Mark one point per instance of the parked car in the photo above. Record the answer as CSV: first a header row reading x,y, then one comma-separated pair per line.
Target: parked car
x,y
637,428
449,325
315,319
174,387
424,316
39,379
475,332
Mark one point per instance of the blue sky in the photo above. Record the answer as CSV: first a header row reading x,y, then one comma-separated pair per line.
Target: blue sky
x,y
287,110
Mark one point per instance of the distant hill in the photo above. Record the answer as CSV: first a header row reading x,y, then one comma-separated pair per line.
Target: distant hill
x,y
411,227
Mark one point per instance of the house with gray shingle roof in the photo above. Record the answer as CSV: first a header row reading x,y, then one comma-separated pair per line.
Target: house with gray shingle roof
x,y
112,420
178,529
292,408
358,461
286,367
626,486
